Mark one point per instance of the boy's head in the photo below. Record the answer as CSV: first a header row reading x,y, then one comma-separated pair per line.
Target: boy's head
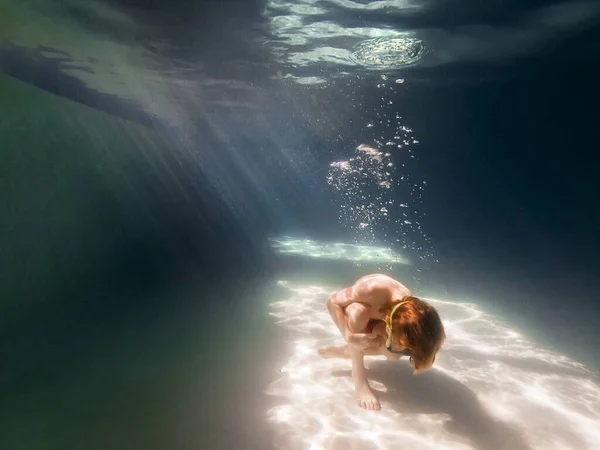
x,y
416,329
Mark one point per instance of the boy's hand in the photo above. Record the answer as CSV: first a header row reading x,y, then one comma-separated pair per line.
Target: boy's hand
x,y
361,341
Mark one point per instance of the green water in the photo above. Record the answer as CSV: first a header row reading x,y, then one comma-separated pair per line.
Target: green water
x,y
63,189
152,382
96,355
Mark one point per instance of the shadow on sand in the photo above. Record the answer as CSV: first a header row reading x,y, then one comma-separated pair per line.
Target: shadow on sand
x,y
436,393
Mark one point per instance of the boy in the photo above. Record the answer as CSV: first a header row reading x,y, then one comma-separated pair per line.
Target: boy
x,y
379,316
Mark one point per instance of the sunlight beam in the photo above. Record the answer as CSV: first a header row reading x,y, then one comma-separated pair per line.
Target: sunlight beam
x,y
335,250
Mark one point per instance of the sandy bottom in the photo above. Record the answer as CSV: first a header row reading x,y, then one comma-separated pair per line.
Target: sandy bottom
x,y
491,389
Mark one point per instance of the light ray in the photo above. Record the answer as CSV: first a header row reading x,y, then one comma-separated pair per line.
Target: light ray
x,y
336,250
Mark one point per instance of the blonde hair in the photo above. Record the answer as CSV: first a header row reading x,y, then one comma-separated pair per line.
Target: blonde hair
x,y
417,327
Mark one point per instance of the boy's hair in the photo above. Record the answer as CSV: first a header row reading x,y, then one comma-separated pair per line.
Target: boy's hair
x,y
418,329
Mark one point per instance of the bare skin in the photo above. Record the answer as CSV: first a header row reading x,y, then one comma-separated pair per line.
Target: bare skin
x,y
370,298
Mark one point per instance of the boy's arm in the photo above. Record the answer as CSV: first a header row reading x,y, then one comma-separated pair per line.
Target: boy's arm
x,y
349,313
335,305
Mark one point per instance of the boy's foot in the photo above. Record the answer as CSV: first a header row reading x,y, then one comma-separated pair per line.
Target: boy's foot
x,y
333,352
366,399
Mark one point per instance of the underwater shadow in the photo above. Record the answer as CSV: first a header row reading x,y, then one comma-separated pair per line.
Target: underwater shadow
x,y
436,393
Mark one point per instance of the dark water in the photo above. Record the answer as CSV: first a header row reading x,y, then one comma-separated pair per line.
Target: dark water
x,y
149,152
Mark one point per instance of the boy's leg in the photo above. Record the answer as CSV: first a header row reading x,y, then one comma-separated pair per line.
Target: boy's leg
x,y
364,395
